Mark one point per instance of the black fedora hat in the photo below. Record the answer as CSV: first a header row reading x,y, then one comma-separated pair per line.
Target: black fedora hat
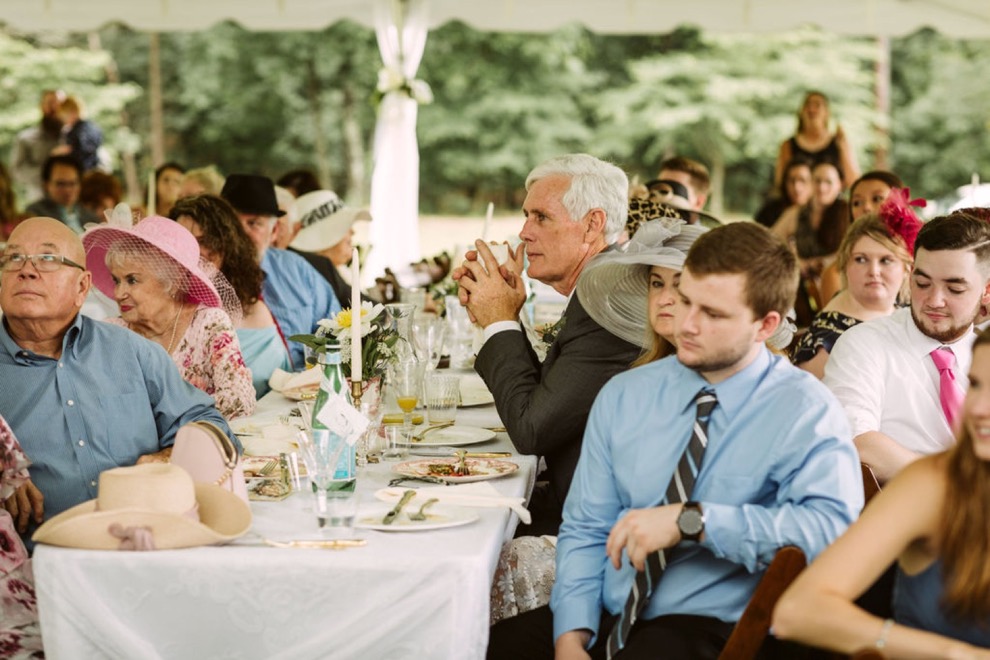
x,y
250,193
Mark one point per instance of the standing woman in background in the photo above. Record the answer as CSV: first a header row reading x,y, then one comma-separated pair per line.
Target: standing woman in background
x,y
794,190
168,184
814,142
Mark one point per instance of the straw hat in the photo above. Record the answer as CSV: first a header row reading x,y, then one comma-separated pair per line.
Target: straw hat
x,y
169,239
325,220
613,287
154,502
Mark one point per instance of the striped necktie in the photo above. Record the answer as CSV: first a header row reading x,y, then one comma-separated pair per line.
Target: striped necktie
x,y
678,491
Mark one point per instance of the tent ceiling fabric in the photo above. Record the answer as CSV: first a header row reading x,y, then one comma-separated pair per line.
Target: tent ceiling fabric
x,y
958,18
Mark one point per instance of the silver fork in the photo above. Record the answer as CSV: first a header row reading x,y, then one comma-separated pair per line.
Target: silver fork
x,y
268,468
421,514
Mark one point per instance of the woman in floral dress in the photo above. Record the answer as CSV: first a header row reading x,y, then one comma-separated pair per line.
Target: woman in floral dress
x,y
20,636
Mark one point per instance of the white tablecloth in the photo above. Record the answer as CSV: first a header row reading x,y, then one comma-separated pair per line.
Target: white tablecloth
x,y
404,595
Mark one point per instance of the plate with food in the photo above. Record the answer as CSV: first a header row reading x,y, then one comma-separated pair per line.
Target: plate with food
x,y
477,469
474,392
437,517
451,436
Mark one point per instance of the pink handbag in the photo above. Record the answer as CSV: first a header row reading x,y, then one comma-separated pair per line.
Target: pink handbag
x,y
209,456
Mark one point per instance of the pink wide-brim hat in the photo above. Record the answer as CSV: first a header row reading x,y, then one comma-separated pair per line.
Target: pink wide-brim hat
x,y
165,235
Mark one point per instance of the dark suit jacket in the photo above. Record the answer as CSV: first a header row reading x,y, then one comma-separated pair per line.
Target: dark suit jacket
x,y
545,406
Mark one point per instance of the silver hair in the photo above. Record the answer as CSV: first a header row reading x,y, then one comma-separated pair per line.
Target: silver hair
x,y
595,184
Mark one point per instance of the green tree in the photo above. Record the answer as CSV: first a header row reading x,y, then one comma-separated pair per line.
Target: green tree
x,y
730,100
29,65
940,117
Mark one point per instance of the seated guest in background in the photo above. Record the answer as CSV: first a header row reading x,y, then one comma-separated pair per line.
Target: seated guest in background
x,y
287,223
692,175
100,192
299,182
81,395
814,141
34,144
201,181
794,190
81,138
933,520
874,259
224,243
699,468
815,231
168,295
901,378
326,228
20,634
168,186
294,292
575,208
8,204
632,294
61,176
866,195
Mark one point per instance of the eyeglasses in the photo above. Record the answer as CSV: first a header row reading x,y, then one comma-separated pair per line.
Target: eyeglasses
x,y
43,263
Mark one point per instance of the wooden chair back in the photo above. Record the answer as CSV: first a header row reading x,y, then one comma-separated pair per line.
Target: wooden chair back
x,y
871,486
754,624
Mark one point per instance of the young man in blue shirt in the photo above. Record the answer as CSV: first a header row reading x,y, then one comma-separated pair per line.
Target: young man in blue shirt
x,y
699,468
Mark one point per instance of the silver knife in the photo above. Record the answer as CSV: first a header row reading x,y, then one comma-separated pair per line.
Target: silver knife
x,y
394,513
450,451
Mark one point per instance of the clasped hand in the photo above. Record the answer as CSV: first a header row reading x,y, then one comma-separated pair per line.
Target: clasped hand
x,y
491,292
25,504
642,532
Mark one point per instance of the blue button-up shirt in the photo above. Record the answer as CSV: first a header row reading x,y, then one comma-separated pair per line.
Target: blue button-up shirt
x,y
780,469
111,397
297,295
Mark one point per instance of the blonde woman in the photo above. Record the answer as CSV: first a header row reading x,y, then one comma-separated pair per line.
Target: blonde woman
x,y
874,260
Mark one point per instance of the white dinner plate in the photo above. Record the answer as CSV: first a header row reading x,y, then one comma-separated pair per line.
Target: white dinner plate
x,y
453,436
437,517
474,392
481,469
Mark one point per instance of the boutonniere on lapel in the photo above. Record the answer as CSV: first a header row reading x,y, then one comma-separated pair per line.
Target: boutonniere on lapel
x,y
548,332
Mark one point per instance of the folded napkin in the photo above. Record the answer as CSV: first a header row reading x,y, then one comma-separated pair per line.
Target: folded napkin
x,y
304,382
476,494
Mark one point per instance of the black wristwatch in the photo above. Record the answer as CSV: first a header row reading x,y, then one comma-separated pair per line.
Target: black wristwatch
x,y
691,521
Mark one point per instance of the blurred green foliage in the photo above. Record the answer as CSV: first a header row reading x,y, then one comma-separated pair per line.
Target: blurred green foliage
x,y
270,102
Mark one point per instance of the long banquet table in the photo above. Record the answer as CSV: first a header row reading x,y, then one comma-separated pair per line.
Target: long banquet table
x,y
404,595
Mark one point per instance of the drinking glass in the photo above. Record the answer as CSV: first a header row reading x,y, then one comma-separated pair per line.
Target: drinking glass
x,y
397,440
443,393
367,443
406,381
427,339
334,499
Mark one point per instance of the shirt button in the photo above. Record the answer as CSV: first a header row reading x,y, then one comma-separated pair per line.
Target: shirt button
x,y
93,484
60,365
82,443
70,402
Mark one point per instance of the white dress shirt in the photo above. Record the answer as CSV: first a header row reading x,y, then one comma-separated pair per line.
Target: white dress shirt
x,y
885,379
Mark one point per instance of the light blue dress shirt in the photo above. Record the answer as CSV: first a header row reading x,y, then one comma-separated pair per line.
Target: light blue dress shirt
x,y
111,397
780,469
297,295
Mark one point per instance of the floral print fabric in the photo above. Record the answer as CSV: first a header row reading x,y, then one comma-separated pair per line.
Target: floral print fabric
x,y
524,576
20,636
209,357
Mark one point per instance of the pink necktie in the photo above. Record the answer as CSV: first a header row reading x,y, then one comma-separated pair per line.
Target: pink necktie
x,y
949,392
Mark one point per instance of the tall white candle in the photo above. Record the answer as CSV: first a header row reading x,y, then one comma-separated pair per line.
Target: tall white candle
x,y
152,193
488,220
355,317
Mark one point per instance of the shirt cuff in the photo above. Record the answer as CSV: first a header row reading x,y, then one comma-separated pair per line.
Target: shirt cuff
x,y
576,616
499,326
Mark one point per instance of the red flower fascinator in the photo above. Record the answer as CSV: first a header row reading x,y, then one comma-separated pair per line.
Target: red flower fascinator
x,y
899,216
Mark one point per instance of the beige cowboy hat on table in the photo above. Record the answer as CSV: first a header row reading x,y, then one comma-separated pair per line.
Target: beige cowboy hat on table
x,y
155,506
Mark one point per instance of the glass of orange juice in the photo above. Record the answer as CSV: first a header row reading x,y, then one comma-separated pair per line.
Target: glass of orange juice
x,y
406,379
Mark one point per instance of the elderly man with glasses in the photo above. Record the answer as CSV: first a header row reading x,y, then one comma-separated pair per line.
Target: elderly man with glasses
x,y
82,396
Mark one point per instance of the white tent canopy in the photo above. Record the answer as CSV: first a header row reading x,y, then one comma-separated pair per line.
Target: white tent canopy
x,y
958,18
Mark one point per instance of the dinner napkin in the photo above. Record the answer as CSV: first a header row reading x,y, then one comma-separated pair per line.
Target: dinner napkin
x,y
476,494
304,382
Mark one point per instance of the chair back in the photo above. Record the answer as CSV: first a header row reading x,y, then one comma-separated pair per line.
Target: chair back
x,y
754,624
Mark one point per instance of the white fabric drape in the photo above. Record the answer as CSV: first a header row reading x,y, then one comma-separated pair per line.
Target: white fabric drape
x,y
401,26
